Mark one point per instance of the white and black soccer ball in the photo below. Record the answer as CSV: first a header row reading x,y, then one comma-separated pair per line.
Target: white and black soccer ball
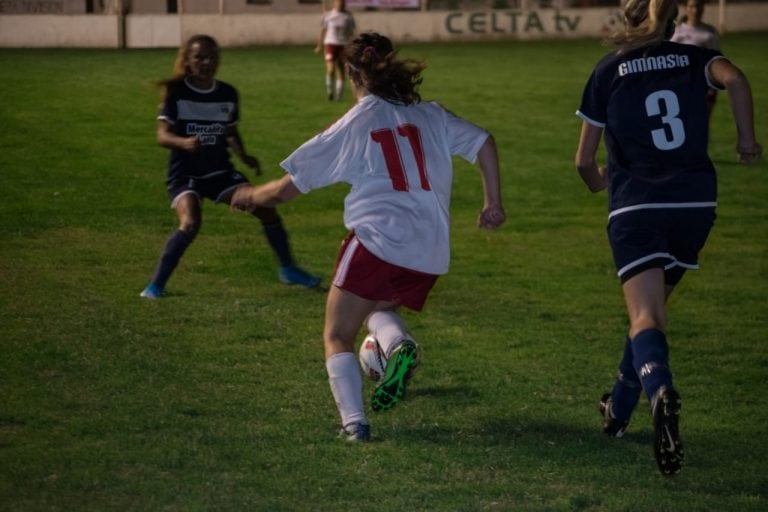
x,y
372,358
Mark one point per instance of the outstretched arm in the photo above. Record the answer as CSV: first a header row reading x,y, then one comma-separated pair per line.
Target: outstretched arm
x,y
236,145
594,176
723,72
492,214
269,195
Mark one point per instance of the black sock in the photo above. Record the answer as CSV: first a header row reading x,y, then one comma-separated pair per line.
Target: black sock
x,y
278,240
650,355
172,253
627,389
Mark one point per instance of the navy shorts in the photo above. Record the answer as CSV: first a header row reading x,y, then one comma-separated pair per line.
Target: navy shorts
x,y
213,185
668,238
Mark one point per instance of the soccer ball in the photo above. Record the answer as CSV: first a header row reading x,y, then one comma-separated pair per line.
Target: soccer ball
x,y
372,358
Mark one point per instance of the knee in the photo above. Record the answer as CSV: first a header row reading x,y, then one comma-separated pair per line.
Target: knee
x,y
190,229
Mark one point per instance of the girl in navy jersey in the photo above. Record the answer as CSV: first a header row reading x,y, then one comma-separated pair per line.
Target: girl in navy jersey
x,y
198,123
396,153
649,98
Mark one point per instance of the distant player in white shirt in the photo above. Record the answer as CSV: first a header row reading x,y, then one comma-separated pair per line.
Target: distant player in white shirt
x,y
396,153
338,26
692,30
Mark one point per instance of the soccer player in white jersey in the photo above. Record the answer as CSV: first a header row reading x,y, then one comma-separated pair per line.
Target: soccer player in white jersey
x,y
396,153
338,26
649,99
692,30
198,123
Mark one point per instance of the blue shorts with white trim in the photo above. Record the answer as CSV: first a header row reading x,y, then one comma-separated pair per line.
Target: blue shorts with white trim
x,y
214,185
668,237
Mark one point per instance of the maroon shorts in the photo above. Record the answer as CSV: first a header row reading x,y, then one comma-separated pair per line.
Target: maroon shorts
x,y
360,272
333,51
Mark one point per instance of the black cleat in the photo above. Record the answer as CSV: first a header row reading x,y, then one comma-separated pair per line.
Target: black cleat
x,y
356,433
611,426
667,446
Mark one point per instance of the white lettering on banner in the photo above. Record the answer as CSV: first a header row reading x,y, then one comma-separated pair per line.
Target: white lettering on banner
x,y
508,22
383,4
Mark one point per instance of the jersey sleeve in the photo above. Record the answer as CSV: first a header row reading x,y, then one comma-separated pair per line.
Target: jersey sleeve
x,y
710,57
322,160
464,138
593,103
168,108
234,115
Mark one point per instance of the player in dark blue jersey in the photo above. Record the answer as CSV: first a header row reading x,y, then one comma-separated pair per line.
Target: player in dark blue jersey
x,y
198,123
649,100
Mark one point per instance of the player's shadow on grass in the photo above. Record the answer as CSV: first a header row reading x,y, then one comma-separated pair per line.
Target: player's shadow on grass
x,y
517,432
534,440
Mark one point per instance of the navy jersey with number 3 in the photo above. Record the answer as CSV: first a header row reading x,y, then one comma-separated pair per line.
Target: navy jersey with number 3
x,y
651,102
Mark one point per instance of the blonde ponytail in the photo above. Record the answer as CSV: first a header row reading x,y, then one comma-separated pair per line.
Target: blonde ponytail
x,y
646,21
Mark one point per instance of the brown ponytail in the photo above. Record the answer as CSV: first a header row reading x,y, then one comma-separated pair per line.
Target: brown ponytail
x,y
372,63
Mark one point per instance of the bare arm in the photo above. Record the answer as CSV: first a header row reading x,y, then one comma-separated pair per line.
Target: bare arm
x,y
169,140
319,45
594,176
236,145
723,72
492,214
269,195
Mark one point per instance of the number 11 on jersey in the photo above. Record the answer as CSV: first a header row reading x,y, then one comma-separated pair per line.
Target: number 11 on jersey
x,y
385,137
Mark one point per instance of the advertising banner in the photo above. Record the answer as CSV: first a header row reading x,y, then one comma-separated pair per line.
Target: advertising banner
x,y
383,4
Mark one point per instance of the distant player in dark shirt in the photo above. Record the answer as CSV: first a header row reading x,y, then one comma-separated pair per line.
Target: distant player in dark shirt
x,y
198,123
649,99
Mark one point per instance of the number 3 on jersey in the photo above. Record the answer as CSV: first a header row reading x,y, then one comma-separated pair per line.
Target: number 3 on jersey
x,y
392,156
653,107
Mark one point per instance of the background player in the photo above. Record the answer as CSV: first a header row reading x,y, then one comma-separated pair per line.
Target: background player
x,y
649,98
396,153
338,25
198,123
692,30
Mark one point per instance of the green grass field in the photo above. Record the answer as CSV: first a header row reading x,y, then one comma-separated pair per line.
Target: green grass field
x,y
216,398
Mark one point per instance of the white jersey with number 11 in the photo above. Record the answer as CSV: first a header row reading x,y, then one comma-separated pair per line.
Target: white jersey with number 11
x,y
398,160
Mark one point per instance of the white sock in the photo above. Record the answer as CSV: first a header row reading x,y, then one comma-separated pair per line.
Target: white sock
x,y
388,328
339,88
329,84
346,386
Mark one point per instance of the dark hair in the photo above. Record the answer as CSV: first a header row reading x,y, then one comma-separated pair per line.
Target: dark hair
x,y
372,63
180,69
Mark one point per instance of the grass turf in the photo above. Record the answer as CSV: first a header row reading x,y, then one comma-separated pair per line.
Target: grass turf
x,y
215,398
